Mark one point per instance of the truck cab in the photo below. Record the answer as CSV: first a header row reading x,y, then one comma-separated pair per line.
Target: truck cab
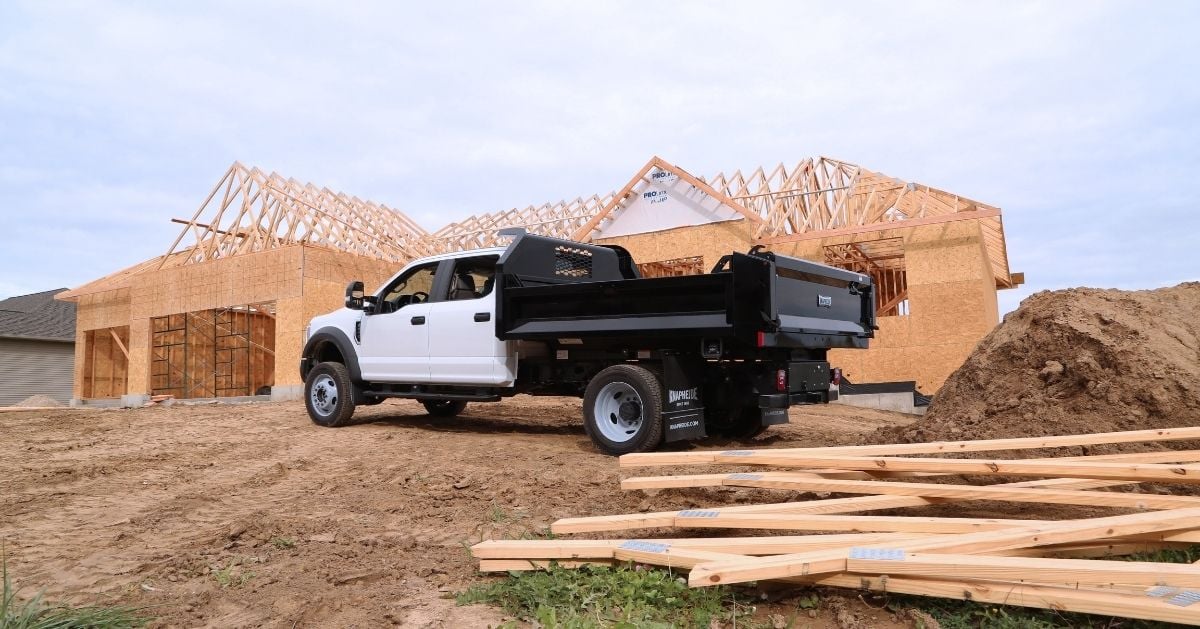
x,y
659,359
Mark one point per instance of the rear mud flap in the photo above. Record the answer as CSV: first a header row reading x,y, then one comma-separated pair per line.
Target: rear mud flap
x,y
683,412
686,424
773,416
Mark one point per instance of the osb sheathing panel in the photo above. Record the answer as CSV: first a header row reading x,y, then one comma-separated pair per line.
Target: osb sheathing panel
x,y
338,267
251,278
139,356
710,241
289,339
951,312
106,309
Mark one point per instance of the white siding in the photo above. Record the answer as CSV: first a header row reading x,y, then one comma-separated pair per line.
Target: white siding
x,y
35,367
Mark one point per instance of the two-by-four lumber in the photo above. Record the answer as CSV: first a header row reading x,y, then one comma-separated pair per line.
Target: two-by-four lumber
x,y
1015,467
520,565
968,492
546,550
991,568
714,480
659,519
1164,608
717,480
854,523
898,449
1049,533
602,549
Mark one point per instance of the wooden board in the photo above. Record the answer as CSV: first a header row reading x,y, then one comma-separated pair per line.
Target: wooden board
x,y
744,457
1060,599
1024,569
968,492
1106,470
830,506
826,562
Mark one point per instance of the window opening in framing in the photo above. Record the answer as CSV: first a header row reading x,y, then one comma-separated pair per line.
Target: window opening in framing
x,y
883,260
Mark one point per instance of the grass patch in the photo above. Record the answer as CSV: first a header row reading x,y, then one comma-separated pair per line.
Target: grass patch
x,y
283,543
607,597
233,575
952,614
36,613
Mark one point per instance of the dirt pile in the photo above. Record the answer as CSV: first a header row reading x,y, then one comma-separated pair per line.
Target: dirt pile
x,y
36,401
1075,361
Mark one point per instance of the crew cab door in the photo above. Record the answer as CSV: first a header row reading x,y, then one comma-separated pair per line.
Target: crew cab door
x,y
463,348
394,338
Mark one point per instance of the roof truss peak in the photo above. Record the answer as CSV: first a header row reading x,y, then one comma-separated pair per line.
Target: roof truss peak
x,y
249,210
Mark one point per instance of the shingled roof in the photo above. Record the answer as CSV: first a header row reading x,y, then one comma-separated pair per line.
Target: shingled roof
x,y
38,316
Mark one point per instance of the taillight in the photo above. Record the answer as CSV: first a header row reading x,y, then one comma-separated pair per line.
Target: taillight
x,y
762,338
835,376
781,380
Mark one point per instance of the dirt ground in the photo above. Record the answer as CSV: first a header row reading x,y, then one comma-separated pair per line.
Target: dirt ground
x,y
249,515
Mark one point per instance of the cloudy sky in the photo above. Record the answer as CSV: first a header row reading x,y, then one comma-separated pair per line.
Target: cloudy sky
x,y
1080,119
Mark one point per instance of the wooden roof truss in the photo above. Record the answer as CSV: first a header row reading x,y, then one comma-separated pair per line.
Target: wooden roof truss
x,y
249,210
559,220
817,198
823,197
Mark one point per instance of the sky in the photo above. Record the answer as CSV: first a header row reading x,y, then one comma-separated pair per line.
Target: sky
x,y
1081,120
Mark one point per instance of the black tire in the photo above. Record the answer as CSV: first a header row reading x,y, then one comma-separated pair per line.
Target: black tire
x,y
741,423
444,408
329,395
646,431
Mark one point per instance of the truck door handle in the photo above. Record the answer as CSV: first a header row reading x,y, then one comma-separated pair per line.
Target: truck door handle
x,y
418,320
480,317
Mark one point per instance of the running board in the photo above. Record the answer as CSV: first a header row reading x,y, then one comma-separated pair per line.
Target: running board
x,y
423,395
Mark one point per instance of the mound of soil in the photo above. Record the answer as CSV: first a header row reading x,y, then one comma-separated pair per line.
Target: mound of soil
x,y
1073,361
38,401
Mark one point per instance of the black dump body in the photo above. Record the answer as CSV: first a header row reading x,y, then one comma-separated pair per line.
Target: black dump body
x,y
561,289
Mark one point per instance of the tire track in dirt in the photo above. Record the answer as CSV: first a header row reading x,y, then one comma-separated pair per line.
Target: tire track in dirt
x,y
361,526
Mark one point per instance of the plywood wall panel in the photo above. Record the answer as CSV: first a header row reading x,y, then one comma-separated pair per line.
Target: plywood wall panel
x,y
106,309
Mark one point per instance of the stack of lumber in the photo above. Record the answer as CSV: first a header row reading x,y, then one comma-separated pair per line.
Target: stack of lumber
x,y
1064,565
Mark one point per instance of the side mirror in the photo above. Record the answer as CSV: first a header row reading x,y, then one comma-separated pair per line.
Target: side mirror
x,y
354,295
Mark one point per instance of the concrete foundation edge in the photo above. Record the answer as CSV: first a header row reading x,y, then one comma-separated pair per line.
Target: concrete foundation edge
x,y
897,402
288,393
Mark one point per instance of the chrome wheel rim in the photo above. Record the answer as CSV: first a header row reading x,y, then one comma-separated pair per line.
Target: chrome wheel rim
x,y
618,411
324,395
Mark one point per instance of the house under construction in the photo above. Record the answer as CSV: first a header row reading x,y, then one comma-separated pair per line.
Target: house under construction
x,y
223,311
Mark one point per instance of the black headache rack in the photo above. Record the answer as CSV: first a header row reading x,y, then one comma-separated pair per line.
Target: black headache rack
x,y
554,288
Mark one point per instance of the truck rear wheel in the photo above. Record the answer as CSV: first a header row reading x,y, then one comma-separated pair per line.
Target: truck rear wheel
x,y
329,395
444,408
622,410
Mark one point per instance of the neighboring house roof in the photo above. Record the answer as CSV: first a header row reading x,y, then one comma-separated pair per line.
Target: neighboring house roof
x,y
38,316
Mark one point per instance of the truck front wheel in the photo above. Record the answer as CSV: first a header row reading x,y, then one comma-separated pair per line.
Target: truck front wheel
x,y
622,410
329,395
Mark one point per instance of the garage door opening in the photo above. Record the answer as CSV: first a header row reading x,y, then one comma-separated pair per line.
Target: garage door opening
x,y
224,352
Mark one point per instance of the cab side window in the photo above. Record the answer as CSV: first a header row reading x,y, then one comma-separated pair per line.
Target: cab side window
x,y
413,287
473,278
